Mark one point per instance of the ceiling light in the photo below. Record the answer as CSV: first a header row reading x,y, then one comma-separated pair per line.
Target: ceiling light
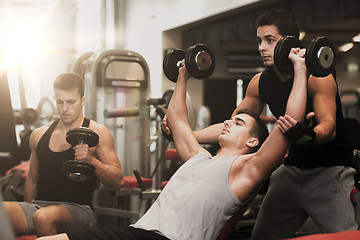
x,y
346,47
353,67
356,38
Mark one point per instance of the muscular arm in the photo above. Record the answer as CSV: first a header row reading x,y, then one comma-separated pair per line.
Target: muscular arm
x,y
271,153
30,188
323,91
107,165
276,145
251,101
185,142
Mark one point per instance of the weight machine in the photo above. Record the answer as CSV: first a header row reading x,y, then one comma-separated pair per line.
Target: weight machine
x,y
9,149
116,91
350,100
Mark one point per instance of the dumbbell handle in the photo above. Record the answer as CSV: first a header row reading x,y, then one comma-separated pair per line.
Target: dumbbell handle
x,y
155,101
81,142
178,64
161,111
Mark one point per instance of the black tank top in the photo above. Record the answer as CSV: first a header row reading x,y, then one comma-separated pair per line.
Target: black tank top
x,y
53,185
338,152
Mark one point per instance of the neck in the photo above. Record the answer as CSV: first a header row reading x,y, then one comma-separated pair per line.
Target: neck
x,y
70,125
227,151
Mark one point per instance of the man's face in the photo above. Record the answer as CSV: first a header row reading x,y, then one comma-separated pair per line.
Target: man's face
x,y
69,104
237,130
267,37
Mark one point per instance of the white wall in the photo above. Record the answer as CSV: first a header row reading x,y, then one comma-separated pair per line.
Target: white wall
x,y
74,26
88,26
147,19
38,38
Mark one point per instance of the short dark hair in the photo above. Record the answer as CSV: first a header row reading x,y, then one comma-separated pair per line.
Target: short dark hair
x,y
259,129
282,19
69,81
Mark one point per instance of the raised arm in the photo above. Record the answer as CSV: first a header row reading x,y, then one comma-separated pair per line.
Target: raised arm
x,y
271,153
185,142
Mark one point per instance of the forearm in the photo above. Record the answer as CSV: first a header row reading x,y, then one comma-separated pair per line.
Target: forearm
x,y
251,101
177,110
30,189
209,134
325,132
111,176
296,103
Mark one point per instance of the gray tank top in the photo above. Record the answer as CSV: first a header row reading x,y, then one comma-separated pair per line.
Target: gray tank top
x,y
197,201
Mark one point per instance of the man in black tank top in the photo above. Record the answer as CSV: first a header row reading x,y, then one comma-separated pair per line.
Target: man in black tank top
x,y
54,203
317,177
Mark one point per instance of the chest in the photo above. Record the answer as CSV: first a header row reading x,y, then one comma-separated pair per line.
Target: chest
x,y
275,93
57,142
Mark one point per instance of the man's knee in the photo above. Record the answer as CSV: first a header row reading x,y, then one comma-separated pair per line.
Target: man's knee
x,y
41,217
51,220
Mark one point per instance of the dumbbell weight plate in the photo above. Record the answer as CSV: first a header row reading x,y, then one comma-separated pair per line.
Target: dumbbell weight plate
x,y
320,57
199,61
170,63
281,54
82,135
78,170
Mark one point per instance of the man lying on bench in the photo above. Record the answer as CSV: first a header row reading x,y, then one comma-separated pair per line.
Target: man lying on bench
x,y
206,191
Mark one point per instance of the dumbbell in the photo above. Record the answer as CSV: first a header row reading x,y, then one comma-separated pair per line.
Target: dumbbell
x,y
319,57
199,62
80,170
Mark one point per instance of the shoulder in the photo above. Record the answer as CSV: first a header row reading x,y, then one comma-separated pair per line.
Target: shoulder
x,y
267,73
95,125
245,178
37,133
41,130
254,82
99,128
257,77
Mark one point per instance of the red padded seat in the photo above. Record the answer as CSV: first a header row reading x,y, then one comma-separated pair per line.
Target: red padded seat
x,y
131,182
163,184
347,235
171,154
24,166
26,237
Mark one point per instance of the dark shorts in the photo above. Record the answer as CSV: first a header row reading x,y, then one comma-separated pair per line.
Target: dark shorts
x,y
126,233
83,217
